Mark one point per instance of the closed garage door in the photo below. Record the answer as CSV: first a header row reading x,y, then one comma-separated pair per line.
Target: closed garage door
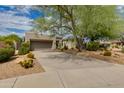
x,y
38,45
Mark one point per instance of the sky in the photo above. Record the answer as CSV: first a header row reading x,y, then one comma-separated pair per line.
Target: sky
x,y
17,19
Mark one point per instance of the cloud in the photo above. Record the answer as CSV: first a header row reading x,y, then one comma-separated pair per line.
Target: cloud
x,y
9,19
24,9
120,8
12,21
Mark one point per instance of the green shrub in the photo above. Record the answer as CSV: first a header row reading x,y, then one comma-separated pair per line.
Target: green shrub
x,y
24,49
104,46
2,44
9,42
65,47
30,55
61,49
116,46
59,45
11,51
6,53
72,48
92,46
102,49
26,63
122,49
107,53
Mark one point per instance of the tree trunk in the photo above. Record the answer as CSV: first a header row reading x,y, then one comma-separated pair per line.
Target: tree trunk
x,y
78,44
74,33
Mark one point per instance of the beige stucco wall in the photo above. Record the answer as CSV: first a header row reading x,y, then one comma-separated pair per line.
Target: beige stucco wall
x,y
35,35
69,44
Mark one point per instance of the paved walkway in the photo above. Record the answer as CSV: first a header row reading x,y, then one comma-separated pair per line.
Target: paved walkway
x,y
66,70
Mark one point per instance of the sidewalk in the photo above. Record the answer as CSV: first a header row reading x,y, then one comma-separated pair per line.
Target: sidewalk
x,y
80,78
44,80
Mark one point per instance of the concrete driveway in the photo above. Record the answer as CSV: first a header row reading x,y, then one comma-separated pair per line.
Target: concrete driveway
x,y
70,71
55,61
76,71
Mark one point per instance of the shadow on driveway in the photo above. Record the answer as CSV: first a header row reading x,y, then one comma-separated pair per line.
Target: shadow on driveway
x,y
62,60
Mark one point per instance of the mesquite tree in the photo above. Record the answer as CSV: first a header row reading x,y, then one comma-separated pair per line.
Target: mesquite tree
x,y
91,21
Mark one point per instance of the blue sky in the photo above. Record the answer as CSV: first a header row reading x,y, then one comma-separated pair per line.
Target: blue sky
x,y
17,19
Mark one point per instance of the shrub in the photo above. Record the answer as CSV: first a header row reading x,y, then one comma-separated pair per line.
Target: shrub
x,y
6,53
104,46
107,53
24,49
59,45
102,49
65,47
72,48
30,55
9,42
26,63
11,51
92,46
61,49
3,44
122,49
116,46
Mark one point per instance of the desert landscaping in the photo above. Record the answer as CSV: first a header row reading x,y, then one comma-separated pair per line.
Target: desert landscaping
x,y
12,68
14,63
66,46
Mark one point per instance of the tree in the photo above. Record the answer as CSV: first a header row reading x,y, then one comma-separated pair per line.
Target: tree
x,y
98,22
13,37
51,22
10,39
65,20
85,21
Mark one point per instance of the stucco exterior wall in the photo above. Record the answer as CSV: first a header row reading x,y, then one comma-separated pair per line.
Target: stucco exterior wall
x,y
36,36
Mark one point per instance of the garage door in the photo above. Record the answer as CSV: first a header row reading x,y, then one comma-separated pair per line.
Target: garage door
x,y
38,45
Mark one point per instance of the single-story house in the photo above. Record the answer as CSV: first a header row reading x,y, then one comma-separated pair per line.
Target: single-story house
x,y
38,41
